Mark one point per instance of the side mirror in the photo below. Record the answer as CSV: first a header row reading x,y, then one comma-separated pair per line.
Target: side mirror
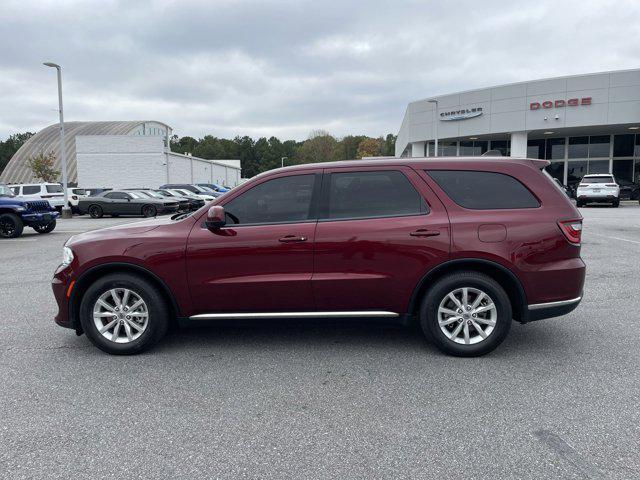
x,y
216,218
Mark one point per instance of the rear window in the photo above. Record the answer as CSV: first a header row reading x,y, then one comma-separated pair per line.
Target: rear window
x,y
54,188
598,180
484,190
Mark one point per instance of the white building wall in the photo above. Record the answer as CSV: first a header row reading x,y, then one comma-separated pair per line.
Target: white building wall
x,y
124,161
120,161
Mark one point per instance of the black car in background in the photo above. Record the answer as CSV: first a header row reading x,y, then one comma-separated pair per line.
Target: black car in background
x,y
194,201
629,190
121,202
183,203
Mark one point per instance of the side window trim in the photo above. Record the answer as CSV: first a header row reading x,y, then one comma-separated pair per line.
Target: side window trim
x,y
323,212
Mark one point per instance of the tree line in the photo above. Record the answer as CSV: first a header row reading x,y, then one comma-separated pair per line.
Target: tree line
x,y
256,156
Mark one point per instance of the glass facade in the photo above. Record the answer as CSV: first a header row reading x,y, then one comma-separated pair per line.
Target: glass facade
x,y
571,157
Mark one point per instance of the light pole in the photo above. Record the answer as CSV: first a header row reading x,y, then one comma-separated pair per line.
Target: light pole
x,y
435,125
66,211
282,161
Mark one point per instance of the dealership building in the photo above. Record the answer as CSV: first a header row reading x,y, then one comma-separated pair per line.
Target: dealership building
x,y
581,124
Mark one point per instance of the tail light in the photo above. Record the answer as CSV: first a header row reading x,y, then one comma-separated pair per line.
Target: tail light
x,y
74,197
572,230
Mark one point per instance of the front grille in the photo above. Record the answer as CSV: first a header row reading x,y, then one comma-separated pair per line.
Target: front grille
x,y
39,206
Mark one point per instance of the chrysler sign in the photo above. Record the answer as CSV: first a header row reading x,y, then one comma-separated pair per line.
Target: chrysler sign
x,y
461,114
572,102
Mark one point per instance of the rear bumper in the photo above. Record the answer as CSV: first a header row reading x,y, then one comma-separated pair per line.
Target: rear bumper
x,y
591,197
540,311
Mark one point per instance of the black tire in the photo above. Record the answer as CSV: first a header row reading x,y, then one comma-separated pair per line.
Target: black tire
x,y
95,211
449,283
616,203
11,225
115,215
158,313
579,204
149,211
48,228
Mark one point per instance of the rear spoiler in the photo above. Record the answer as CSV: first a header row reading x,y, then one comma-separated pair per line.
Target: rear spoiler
x,y
540,164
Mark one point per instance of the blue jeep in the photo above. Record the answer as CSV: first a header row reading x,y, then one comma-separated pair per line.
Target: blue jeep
x,y
15,214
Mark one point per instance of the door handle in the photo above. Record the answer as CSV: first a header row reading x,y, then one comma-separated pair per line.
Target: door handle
x,y
292,238
423,232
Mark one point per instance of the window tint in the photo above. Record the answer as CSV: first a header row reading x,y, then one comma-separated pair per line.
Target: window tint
x,y
281,200
30,189
54,188
588,179
483,190
372,194
117,195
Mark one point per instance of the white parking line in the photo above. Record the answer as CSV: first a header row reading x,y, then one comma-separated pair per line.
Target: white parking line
x,y
615,238
19,240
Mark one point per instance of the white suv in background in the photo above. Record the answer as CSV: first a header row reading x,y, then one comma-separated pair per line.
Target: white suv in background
x,y
75,194
52,192
598,188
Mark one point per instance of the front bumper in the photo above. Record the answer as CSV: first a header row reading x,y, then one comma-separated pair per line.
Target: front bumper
x,y
540,311
61,284
39,218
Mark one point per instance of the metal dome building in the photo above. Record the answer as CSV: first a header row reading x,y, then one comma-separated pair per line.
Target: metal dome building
x,y
48,140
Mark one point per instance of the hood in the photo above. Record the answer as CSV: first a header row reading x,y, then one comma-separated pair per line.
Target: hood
x,y
12,201
119,231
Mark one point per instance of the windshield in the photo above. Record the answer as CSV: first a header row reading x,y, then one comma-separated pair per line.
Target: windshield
x,y
153,194
201,189
183,192
135,195
597,180
5,191
208,190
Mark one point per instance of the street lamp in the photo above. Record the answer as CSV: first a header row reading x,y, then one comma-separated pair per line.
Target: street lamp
x,y
435,124
282,161
66,211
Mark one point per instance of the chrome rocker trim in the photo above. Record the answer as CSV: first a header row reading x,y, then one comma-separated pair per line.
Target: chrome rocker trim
x,y
349,314
561,303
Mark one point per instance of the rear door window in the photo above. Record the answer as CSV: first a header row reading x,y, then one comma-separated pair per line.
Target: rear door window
x,y
383,193
483,190
54,188
30,189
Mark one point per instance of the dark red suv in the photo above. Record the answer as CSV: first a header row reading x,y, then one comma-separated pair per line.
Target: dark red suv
x,y
461,245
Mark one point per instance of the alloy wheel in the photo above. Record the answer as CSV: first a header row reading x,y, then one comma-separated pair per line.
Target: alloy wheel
x,y
7,228
120,315
467,315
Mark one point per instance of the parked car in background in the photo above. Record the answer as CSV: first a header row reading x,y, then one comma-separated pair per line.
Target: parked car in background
x,y
75,194
207,197
194,189
214,187
195,202
629,190
51,192
96,190
121,202
15,214
598,188
183,203
451,244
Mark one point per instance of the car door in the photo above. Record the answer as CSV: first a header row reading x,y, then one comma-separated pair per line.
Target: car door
x,y
379,231
262,260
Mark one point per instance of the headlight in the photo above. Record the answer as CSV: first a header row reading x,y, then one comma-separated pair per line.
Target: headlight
x,y
67,256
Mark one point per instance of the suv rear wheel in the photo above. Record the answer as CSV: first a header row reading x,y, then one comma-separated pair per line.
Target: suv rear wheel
x,y
10,225
123,314
466,314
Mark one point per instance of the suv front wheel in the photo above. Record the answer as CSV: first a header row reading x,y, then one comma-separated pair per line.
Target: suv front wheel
x,y
123,314
466,314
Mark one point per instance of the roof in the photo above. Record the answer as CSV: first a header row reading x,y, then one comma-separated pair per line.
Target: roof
x,y
438,162
48,140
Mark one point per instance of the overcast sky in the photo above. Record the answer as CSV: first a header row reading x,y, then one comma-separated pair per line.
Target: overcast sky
x,y
284,68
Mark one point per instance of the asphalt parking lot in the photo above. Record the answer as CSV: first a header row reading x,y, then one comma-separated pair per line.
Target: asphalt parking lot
x,y
310,399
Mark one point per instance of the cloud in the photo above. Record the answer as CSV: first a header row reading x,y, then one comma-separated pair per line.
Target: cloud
x,y
288,67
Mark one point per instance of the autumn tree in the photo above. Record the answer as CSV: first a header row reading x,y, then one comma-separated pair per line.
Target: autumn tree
x,y
369,147
42,166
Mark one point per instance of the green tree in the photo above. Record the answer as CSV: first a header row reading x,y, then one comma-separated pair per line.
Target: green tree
x,y
321,146
11,146
42,166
